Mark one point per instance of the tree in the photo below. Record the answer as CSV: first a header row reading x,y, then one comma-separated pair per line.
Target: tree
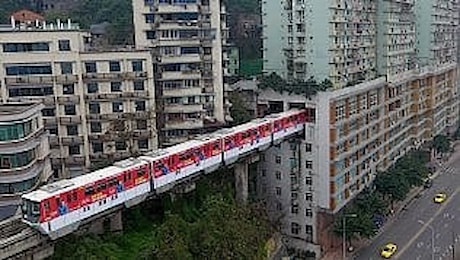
x,y
441,144
238,111
7,7
392,184
361,226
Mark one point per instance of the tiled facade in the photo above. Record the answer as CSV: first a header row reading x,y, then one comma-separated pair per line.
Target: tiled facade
x,y
371,125
186,38
24,151
99,106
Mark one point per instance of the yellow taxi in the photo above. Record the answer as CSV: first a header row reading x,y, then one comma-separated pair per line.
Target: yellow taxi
x,y
388,250
440,197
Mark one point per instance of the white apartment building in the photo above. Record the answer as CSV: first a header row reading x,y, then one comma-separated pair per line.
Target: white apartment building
x,y
24,153
186,38
321,39
99,105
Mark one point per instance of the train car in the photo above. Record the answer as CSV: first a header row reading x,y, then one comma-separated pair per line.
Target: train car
x,y
287,123
183,160
59,208
244,138
212,148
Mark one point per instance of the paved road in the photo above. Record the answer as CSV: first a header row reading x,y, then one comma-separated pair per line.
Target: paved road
x,y
413,238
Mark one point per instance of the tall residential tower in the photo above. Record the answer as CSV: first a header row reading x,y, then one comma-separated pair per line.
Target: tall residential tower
x,y
186,39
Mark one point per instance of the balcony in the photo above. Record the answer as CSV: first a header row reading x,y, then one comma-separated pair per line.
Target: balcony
x,y
180,92
71,140
68,99
186,58
170,75
65,79
181,108
184,124
103,76
177,8
75,160
69,120
132,75
21,80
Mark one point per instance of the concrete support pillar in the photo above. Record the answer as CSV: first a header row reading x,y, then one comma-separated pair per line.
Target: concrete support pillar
x,y
241,181
116,222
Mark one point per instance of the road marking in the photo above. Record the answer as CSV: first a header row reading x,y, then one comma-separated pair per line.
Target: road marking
x,y
425,226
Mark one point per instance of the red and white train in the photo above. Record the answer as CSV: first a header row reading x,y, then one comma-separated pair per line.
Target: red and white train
x,y
58,208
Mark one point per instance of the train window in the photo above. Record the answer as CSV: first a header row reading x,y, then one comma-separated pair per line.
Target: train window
x,y
46,205
89,191
216,146
58,201
112,182
125,177
101,186
69,197
74,196
140,172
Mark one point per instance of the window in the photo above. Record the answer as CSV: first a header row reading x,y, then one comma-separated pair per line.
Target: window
x,y
114,66
150,35
294,195
35,69
278,191
141,124
70,110
278,175
308,164
94,108
74,149
115,86
140,105
96,127
66,68
90,67
117,107
53,130
137,65
92,87
139,85
308,196
295,228
308,148
49,112
143,144
308,180
15,160
264,173
120,145
279,206
309,232
149,18
64,45
278,159
72,130
308,212
295,209
68,89
97,147
26,47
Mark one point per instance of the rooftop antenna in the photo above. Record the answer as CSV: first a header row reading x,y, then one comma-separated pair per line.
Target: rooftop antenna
x,y
13,22
69,24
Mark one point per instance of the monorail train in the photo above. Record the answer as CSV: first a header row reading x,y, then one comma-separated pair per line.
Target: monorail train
x,y
58,208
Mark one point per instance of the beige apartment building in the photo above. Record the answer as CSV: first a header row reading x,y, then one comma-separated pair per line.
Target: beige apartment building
x,y
186,39
24,153
99,105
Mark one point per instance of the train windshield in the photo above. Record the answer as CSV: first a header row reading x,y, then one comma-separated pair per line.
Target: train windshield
x,y
31,211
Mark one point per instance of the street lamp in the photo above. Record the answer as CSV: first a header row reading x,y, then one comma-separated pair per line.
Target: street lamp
x,y
432,237
344,231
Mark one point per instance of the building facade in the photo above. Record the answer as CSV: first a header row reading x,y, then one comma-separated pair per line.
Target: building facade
x,y
186,39
24,153
99,105
296,45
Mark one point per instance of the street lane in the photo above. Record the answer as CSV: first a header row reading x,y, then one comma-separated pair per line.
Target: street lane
x,y
414,239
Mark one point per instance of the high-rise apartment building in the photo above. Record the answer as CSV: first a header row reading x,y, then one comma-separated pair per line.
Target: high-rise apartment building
x,y
99,105
437,22
186,39
24,153
396,42
303,39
